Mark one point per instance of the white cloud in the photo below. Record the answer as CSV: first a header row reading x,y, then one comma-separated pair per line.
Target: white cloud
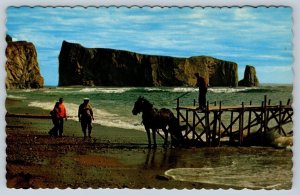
x,y
243,14
270,69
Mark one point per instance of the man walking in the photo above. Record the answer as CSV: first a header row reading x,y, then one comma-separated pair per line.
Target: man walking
x,y
202,84
85,115
62,114
55,120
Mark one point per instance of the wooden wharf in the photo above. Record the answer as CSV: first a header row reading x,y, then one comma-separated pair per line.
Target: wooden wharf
x,y
232,124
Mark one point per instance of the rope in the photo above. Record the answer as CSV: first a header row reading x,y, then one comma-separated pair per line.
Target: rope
x,y
184,94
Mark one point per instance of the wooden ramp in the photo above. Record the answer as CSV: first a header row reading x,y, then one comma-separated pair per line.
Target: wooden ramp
x,y
233,124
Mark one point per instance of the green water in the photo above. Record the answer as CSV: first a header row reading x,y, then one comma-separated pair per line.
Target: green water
x,y
113,106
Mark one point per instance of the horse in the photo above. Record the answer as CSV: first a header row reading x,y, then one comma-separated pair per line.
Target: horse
x,y
154,119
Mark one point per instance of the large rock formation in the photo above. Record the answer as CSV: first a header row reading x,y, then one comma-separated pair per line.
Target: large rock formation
x,y
108,67
21,65
250,79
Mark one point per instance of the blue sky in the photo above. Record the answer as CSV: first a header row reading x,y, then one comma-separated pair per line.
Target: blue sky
x,y
261,37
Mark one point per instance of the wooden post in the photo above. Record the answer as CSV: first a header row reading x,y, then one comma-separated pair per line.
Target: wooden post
x,y
265,118
261,122
194,124
265,99
241,124
177,109
187,122
249,122
230,130
220,114
214,130
280,119
207,126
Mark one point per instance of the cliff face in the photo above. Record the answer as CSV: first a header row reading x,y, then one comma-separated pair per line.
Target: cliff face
x,y
21,66
108,67
250,79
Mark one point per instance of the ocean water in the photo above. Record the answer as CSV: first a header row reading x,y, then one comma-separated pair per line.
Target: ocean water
x,y
112,106
251,167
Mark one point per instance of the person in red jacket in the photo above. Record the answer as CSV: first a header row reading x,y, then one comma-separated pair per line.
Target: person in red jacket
x,y
62,115
202,84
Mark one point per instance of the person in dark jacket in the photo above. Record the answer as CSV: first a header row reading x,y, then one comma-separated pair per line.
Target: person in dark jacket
x,y
85,115
55,120
202,84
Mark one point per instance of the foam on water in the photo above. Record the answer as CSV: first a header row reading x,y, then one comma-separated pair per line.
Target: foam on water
x,y
153,89
30,90
16,97
184,89
229,90
126,89
88,90
105,90
101,116
230,176
212,89
54,91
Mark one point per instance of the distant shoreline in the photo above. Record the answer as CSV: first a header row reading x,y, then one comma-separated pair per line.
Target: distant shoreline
x,y
78,86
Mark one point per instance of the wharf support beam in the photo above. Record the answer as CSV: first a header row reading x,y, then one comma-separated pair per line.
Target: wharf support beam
x,y
216,125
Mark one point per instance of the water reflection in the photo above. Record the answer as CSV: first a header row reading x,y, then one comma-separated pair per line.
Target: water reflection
x,y
233,166
162,159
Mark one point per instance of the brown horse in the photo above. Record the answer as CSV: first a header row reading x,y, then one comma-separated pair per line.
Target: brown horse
x,y
155,119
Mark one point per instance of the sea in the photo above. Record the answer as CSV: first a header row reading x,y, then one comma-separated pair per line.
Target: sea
x,y
113,106
262,168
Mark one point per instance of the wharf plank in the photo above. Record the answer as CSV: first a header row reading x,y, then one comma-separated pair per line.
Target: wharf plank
x,y
235,108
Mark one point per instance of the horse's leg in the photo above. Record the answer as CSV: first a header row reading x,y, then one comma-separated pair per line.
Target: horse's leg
x,y
148,136
166,137
154,138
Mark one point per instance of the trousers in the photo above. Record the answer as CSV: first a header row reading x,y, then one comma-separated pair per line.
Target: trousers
x,y
86,123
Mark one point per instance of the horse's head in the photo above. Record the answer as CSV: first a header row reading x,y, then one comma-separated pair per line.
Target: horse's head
x,y
140,105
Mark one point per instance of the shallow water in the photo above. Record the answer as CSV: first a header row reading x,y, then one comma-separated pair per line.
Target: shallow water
x,y
232,167
255,167
113,106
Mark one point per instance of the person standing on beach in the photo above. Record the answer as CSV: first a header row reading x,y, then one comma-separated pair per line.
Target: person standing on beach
x,y
202,84
85,115
55,118
62,115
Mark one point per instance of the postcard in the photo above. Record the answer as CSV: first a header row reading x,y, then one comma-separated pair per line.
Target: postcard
x,y
149,97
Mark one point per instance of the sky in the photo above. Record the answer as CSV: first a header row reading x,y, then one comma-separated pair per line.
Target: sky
x,y
261,36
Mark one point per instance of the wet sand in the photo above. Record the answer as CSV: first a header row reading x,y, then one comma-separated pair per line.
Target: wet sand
x,y
35,160
112,158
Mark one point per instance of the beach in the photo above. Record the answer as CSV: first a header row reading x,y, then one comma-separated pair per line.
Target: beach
x,y
36,160
119,158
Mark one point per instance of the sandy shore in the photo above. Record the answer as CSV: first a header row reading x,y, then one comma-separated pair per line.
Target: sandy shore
x,y
113,158
35,160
